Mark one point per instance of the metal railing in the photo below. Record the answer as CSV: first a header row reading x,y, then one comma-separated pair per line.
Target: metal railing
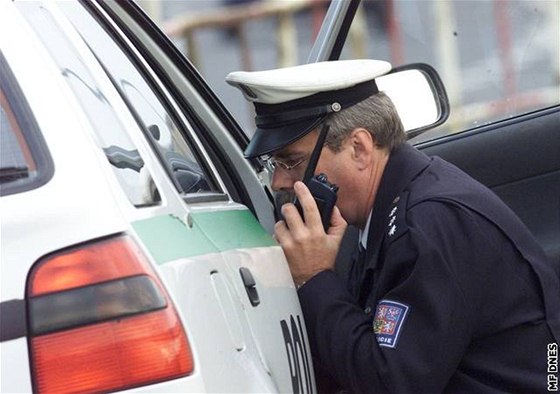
x,y
234,18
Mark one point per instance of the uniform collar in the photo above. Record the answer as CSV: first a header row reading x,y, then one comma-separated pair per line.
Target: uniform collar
x,y
365,232
404,164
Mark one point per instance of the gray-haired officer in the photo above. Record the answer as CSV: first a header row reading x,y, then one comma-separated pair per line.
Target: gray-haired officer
x,y
453,295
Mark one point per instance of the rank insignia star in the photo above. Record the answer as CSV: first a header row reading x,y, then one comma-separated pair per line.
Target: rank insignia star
x,y
392,230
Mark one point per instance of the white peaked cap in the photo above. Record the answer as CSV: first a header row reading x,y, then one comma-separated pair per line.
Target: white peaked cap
x,y
292,101
292,83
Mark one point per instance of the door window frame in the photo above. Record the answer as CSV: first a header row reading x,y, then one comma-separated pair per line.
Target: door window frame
x,y
28,134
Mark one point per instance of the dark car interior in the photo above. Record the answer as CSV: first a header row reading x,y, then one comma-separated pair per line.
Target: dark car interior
x,y
519,159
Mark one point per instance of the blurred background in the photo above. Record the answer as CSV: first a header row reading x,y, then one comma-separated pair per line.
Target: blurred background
x,y
497,58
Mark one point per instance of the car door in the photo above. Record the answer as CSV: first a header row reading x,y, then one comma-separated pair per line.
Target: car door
x,y
499,64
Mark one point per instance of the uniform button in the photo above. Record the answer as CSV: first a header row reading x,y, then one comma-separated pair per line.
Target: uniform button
x,y
367,310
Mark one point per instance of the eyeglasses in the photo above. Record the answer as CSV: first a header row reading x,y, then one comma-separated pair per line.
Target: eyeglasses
x,y
271,163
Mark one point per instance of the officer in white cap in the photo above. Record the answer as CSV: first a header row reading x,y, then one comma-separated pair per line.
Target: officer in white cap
x,y
452,292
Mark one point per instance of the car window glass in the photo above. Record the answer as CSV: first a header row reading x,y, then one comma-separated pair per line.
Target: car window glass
x,y
125,159
497,59
12,161
24,160
159,125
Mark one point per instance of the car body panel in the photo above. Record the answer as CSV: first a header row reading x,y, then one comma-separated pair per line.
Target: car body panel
x,y
200,264
168,237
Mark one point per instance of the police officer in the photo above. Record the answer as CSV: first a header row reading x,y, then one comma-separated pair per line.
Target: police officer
x,y
449,292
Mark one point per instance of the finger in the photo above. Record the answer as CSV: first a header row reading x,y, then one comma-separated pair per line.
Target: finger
x,y
292,218
281,232
310,211
338,224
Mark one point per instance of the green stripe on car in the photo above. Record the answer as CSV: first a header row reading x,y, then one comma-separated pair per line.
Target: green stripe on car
x,y
168,238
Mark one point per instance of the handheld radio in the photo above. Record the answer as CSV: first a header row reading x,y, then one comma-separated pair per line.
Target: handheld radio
x,y
321,189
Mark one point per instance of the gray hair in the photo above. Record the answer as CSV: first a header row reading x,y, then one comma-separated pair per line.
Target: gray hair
x,y
377,114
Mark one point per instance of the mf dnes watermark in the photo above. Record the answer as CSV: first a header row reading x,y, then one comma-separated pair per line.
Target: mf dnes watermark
x,y
552,367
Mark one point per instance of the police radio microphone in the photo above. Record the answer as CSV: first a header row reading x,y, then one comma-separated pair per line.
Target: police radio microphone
x,y
321,189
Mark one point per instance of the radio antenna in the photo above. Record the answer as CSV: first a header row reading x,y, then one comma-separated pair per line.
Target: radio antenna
x,y
314,159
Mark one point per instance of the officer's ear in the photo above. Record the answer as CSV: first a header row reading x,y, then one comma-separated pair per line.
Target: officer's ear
x,y
362,144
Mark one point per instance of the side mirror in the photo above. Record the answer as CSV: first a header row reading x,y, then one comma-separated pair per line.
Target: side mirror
x,y
419,96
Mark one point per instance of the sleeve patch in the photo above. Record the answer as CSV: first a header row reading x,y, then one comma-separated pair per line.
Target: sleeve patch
x,y
388,322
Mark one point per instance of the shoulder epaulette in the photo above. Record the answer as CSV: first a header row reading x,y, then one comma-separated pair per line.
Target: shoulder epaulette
x,y
396,219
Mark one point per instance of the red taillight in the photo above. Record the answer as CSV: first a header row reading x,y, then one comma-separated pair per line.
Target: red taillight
x,y
100,320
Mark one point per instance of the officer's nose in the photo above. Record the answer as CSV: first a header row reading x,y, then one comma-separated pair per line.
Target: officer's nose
x,y
281,180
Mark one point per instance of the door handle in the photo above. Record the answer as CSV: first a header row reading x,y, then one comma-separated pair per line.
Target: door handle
x,y
250,285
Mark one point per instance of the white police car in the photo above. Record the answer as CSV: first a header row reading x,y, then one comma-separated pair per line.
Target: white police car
x,y
135,246
131,255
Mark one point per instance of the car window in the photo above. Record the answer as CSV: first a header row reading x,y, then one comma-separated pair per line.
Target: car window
x,y
497,59
122,154
24,160
211,127
16,160
148,105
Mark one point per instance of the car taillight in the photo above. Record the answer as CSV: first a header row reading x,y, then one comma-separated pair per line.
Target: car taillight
x,y
100,320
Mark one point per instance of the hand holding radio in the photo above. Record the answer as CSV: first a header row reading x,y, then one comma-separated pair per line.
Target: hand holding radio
x,y
324,194
311,235
308,248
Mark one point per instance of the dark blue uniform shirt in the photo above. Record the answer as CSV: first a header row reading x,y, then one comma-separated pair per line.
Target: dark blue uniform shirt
x,y
454,294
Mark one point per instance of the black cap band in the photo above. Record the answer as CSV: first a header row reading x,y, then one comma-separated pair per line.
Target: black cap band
x,y
271,116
